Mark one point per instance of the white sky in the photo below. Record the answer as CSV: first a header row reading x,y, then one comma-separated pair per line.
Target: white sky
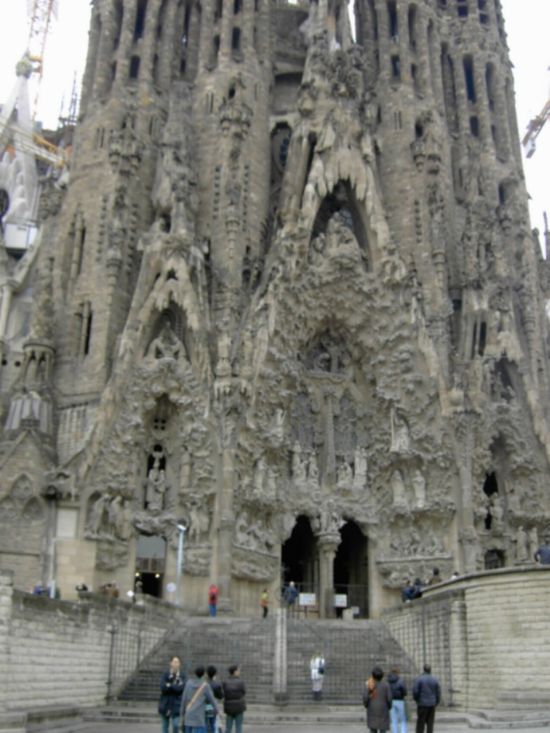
x,y
527,24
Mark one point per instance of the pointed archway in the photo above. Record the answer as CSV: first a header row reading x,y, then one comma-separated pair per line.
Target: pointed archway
x,y
351,568
299,561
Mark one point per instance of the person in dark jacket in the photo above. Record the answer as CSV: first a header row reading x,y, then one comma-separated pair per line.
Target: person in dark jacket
x,y
234,703
217,690
399,693
378,701
426,694
172,683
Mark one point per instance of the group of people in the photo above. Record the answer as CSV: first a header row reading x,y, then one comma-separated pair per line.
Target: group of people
x,y
411,591
385,701
193,705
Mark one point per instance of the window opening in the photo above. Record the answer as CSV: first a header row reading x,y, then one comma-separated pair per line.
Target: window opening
x,y
139,27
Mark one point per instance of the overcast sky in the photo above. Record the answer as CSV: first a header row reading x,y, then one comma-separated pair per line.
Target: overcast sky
x,y
527,24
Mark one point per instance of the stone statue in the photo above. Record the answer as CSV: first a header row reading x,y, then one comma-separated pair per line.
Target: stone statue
x,y
513,502
260,472
360,470
298,465
185,472
199,522
497,511
419,486
98,514
313,471
345,476
223,365
166,345
156,487
533,543
521,545
400,439
398,491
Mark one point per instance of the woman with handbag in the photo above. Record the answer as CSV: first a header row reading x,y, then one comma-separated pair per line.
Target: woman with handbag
x,y
171,690
377,699
196,695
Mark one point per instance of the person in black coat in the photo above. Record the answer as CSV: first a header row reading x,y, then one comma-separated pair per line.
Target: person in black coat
x,y
172,683
217,690
427,694
234,703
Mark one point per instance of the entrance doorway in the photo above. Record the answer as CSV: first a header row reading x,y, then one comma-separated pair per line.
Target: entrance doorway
x,y
299,557
150,562
351,569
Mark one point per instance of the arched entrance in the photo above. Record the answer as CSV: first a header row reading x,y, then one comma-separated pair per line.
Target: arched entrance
x,y
299,557
150,561
351,568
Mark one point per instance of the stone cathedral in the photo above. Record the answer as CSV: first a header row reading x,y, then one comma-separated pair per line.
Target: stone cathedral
x,y
287,296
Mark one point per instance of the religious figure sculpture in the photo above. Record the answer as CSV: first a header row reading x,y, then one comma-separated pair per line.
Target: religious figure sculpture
x,y
400,439
521,545
166,345
156,487
360,468
419,486
532,543
298,465
398,490
345,476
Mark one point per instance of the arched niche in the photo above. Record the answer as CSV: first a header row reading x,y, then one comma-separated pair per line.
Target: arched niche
x,y
170,323
342,207
299,557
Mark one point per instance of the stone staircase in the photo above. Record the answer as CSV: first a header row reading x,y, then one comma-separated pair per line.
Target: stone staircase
x,y
220,641
350,649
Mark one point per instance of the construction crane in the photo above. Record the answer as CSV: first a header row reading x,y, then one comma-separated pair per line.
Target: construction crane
x,y
534,128
15,119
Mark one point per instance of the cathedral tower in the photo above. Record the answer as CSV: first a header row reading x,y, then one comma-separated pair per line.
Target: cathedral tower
x,y
294,304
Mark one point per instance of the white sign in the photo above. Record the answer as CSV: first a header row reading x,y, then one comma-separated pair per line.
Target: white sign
x,y
340,600
171,587
307,599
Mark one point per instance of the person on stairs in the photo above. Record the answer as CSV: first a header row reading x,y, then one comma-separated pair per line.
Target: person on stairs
x,y
317,674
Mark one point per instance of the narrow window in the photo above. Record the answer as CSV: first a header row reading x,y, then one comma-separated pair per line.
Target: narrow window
x,y
81,242
462,8
449,89
483,14
112,75
395,67
501,194
482,338
474,125
412,26
237,5
469,78
88,338
215,51
218,11
139,27
490,84
186,24
392,18
155,69
119,14
236,40
134,67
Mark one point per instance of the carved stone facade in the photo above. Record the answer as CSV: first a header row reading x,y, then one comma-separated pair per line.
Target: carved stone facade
x,y
290,298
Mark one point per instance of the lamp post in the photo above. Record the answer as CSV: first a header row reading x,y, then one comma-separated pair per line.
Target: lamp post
x,y
179,563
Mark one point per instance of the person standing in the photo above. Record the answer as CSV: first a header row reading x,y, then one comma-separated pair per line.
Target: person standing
x,y
317,674
171,690
213,600
398,714
542,555
234,703
378,701
291,596
426,694
197,693
217,690
264,603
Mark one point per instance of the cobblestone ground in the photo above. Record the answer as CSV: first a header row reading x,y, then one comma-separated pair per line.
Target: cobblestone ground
x,y
317,728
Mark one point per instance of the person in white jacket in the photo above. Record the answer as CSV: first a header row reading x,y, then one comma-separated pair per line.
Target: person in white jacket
x,y
317,672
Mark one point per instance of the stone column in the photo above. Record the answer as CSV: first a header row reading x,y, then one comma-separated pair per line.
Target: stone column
x,y
327,545
12,722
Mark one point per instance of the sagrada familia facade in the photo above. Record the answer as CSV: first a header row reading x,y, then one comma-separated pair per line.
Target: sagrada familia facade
x,y
288,297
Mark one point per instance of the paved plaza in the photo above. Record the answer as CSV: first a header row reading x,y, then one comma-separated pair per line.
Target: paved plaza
x,y
284,728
